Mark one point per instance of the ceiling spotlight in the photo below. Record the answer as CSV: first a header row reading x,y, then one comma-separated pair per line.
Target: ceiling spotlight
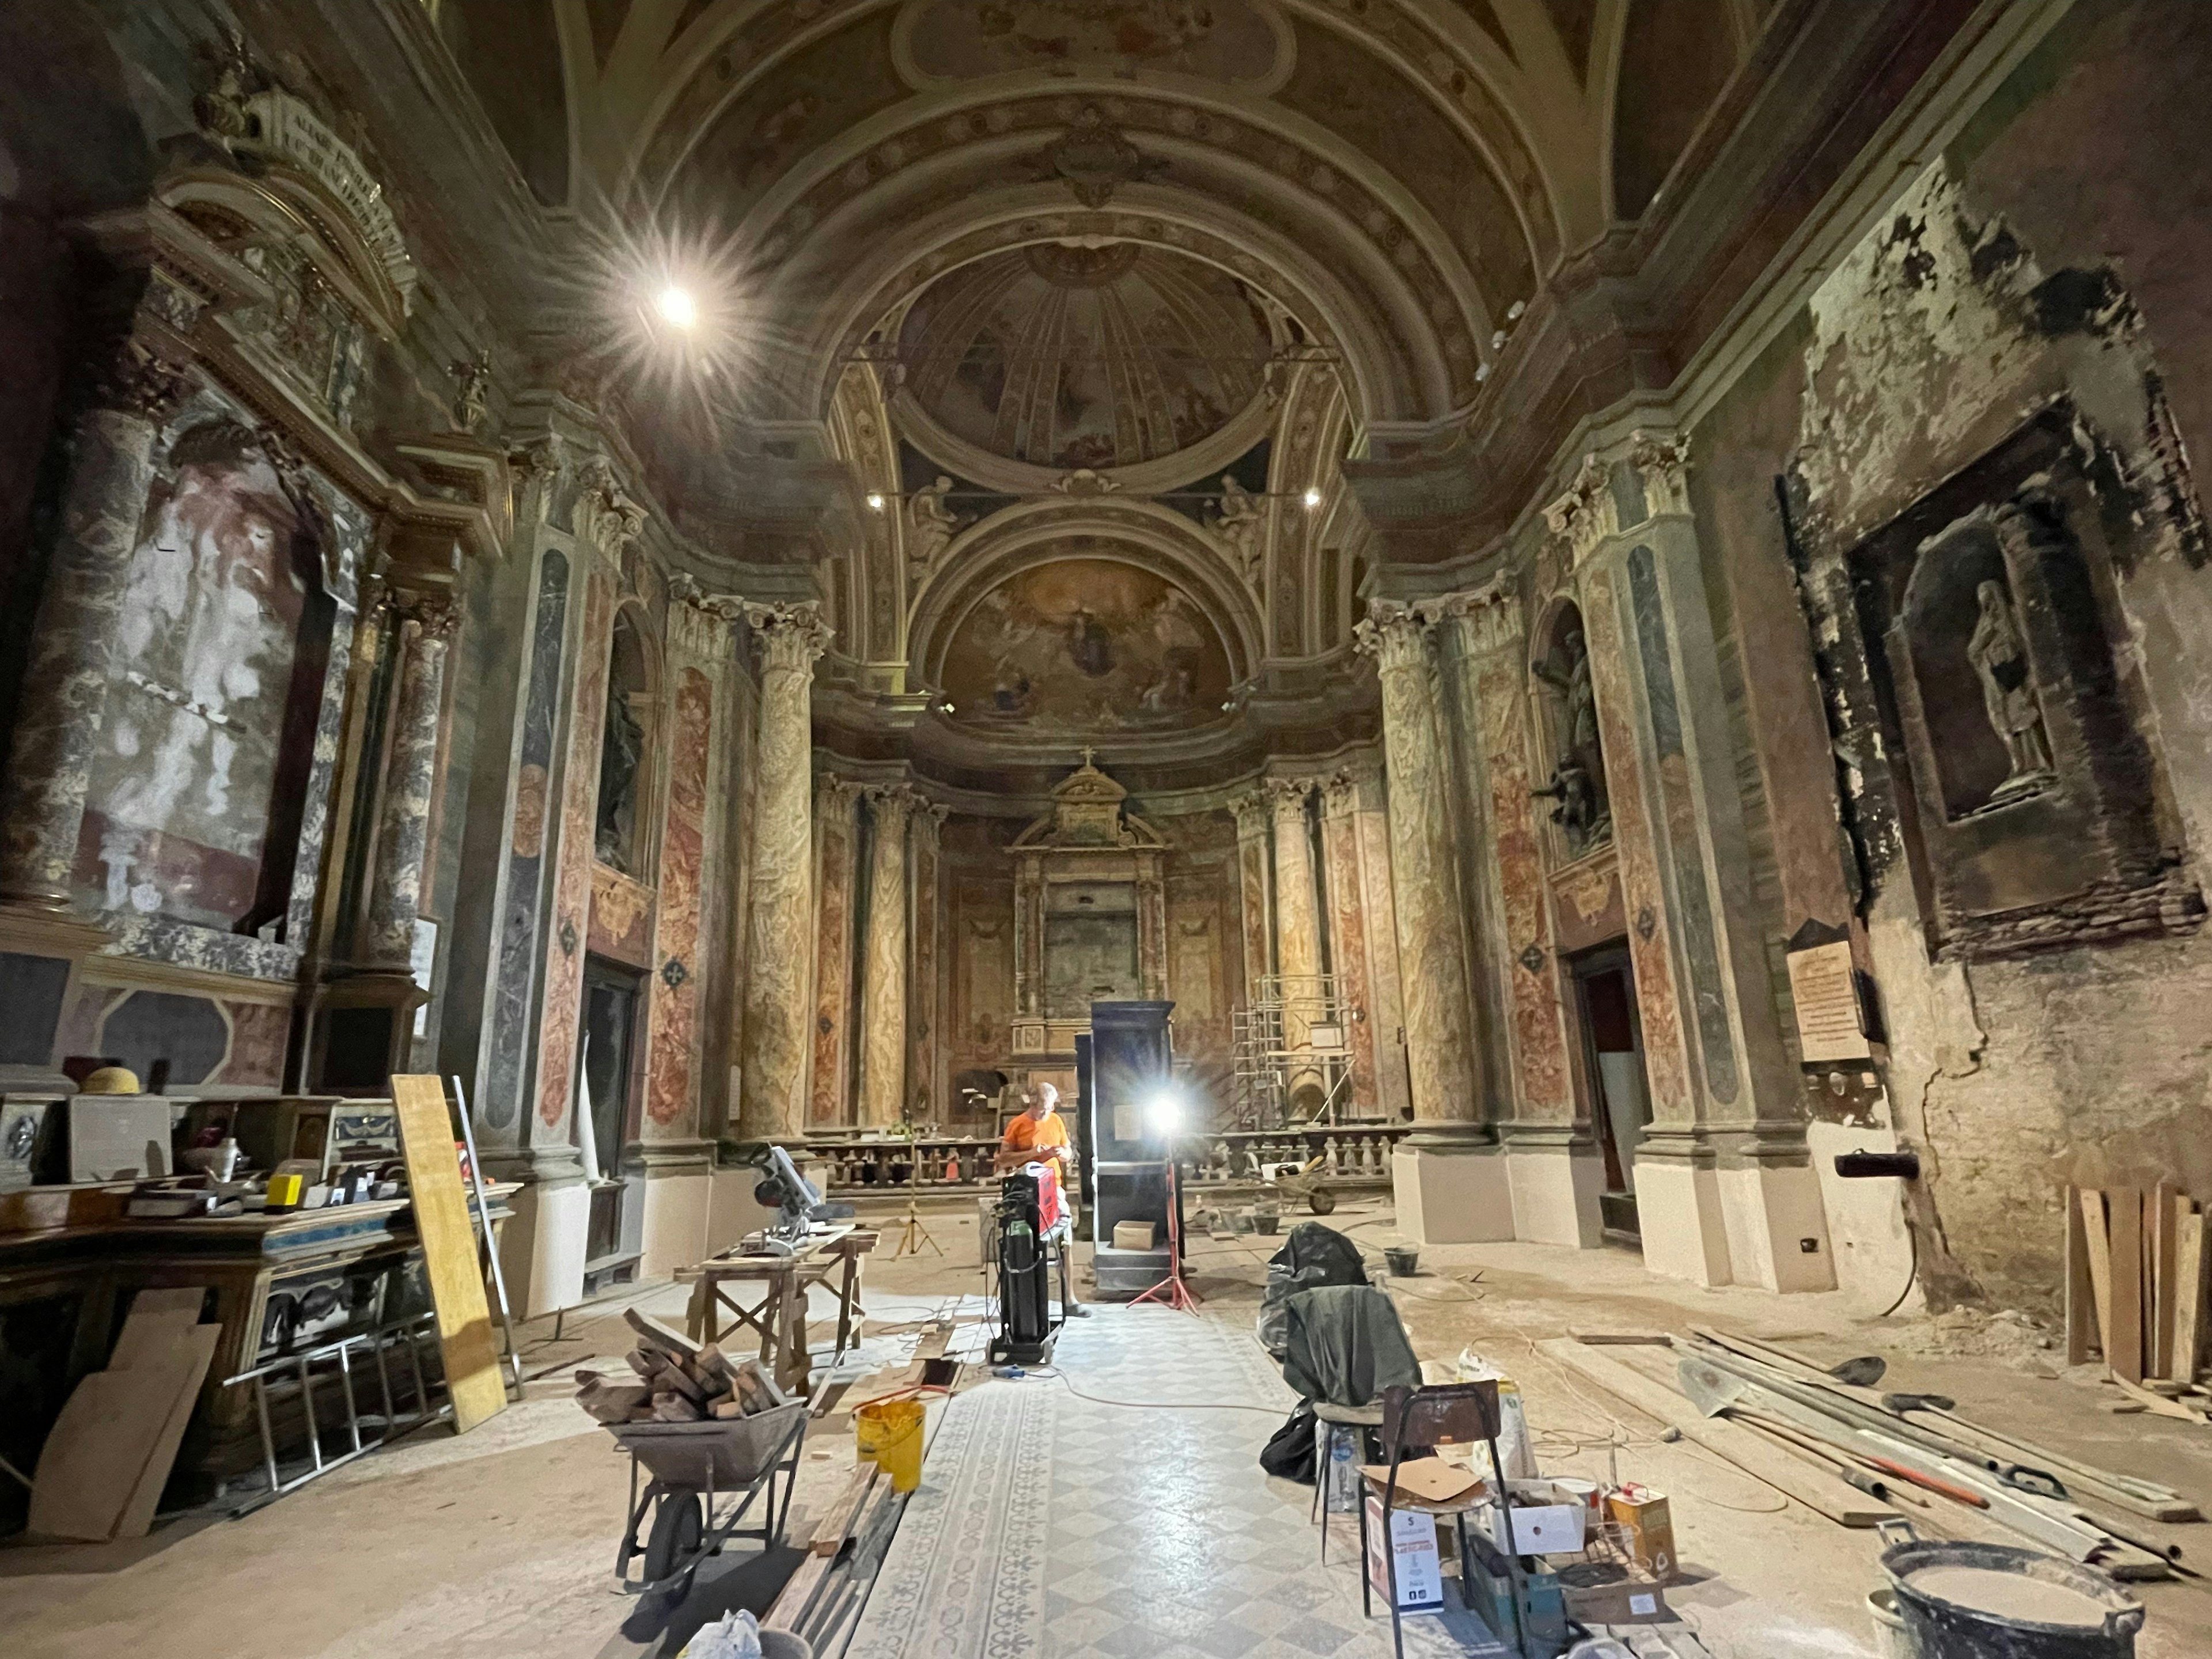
x,y
875,501
1312,497
677,309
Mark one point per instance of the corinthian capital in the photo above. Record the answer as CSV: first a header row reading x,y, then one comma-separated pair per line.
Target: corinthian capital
x,y
1394,635
1286,797
1251,813
791,636
1487,618
835,797
893,803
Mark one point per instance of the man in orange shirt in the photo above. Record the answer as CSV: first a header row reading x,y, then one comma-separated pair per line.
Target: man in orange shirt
x,y
1039,1135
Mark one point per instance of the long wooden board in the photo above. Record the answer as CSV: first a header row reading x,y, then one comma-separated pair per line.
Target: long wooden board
x,y
2159,1248
2098,1242
2081,1298
2189,1303
1750,1452
473,1382
2124,1352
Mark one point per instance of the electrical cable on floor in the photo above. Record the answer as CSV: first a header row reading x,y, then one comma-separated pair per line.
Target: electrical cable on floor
x,y
1055,1374
1912,1271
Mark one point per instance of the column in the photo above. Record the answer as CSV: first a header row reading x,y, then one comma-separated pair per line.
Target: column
x,y
836,832
884,962
72,647
1348,933
1552,1152
1254,909
1297,938
926,984
1448,1182
780,920
1725,1188
410,783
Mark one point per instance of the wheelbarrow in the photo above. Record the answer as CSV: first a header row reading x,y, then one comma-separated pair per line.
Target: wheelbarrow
x,y
700,1480
1299,1182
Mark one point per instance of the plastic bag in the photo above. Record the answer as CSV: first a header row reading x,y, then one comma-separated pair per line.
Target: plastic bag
x,y
734,1636
1514,1444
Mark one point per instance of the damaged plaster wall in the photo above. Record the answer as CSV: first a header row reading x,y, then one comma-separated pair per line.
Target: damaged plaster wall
x,y
1939,336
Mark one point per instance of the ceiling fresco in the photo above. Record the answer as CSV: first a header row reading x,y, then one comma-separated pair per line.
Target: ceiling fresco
x,y
1084,645
1068,356
957,40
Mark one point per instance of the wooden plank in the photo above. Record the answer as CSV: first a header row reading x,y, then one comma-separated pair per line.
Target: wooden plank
x,y
2081,1298
2189,1292
1739,1444
106,1438
2124,1352
1620,1339
793,1602
473,1382
844,1510
196,1344
2097,1237
2159,1252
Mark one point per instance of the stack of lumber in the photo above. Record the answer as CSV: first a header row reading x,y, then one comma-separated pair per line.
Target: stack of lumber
x,y
2136,1275
109,1454
821,1600
1861,1456
676,1380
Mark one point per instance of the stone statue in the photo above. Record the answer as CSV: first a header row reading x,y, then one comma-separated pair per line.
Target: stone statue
x,y
932,524
471,390
1238,518
1579,779
620,754
2009,692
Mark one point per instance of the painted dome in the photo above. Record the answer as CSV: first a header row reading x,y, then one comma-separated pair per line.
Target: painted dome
x,y
1063,356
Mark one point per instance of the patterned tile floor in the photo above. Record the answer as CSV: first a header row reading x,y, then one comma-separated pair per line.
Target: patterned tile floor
x,y
1052,1525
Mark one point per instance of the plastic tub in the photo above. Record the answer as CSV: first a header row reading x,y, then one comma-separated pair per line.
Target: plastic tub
x,y
890,1433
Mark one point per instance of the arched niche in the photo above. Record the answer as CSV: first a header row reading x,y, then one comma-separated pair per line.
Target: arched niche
x,y
624,836
1570,751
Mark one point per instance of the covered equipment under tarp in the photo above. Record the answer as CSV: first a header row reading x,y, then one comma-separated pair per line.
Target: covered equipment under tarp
x,y
1312,1256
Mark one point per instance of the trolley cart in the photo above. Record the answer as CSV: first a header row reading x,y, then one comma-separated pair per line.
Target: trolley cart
x,y
694,1468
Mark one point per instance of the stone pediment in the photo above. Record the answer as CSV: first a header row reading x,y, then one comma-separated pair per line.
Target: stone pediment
x,y
1087,811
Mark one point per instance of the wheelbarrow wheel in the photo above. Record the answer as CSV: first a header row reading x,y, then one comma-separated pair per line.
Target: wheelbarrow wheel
x,y
678,1529
1321,1200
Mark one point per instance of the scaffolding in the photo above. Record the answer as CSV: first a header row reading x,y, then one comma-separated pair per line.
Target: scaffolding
x,y
1292,1041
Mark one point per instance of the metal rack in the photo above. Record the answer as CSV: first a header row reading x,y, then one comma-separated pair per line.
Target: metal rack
x,y
1295,1033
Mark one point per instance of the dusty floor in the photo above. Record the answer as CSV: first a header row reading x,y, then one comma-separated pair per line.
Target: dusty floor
x,y
504,1540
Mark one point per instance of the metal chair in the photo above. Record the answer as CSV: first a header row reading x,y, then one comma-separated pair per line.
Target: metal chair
x,y
1460,1413
1333,1423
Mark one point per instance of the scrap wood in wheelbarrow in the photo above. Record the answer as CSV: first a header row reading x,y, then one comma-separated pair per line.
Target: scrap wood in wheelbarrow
x,y
678,1381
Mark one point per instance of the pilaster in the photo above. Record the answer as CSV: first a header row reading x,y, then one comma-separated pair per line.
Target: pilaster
x,y
1297,936
883,960
836,808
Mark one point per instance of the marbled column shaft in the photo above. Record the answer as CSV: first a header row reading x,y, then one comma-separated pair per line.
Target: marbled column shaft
x,y
72,647
926,982
1297,924
780,918
884,962
672,1095
1348,930
1254,909
836,803
1433,960
411,784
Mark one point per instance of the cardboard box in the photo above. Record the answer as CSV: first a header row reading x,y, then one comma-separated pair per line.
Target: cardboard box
x,y
1609,1593
1551,1524
1136,1235
1420,1573
1651,1528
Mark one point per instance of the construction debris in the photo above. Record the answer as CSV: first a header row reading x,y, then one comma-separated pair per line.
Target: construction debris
x,y
679,1381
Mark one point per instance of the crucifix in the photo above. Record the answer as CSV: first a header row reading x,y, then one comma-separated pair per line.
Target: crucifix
x,y
1088,752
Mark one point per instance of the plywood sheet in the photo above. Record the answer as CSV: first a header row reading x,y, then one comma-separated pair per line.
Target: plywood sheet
x,y
2189,1294
186,1364
156,1319
107,1439
449,1252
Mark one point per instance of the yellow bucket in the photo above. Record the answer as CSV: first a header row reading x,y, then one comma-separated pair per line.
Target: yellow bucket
x,y
890,1431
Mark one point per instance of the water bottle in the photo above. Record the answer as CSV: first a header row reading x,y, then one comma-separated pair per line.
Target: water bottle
x,y
1343,1479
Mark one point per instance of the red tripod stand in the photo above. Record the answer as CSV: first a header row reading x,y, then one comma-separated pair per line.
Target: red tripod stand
x,y
1172,1291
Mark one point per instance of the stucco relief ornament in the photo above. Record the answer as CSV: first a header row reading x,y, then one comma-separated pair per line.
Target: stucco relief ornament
x,y
1093,158
1239,518
604,516
1084,481
471,387
931,524
1582,516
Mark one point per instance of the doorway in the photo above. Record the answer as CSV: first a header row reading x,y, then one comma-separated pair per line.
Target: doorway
x,y
1613,1040
611,997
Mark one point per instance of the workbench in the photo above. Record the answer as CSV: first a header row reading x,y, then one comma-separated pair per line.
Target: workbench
x,y
779,1315
281,1284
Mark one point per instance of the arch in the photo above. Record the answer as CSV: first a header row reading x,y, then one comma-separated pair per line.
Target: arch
x,y
1140,533
1675,57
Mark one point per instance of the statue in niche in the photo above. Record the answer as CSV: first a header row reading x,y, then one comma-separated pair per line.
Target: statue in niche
x,y
932,524
2000,660
620,753
1577,781
1238,518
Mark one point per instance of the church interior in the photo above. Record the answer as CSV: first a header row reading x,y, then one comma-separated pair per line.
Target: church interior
x,y
1234,828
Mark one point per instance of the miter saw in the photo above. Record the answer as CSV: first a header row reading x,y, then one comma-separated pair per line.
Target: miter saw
x,y
793,1197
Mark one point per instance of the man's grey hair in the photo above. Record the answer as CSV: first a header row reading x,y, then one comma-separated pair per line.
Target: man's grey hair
x,y
1048,1093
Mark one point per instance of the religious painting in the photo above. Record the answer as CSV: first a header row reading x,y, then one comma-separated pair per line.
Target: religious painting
x,y
218,654
1066,356
1221,40
1086,645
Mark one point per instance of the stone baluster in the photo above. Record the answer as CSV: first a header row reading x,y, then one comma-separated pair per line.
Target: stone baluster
x,y
425,626
777,928
72,646
884,960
